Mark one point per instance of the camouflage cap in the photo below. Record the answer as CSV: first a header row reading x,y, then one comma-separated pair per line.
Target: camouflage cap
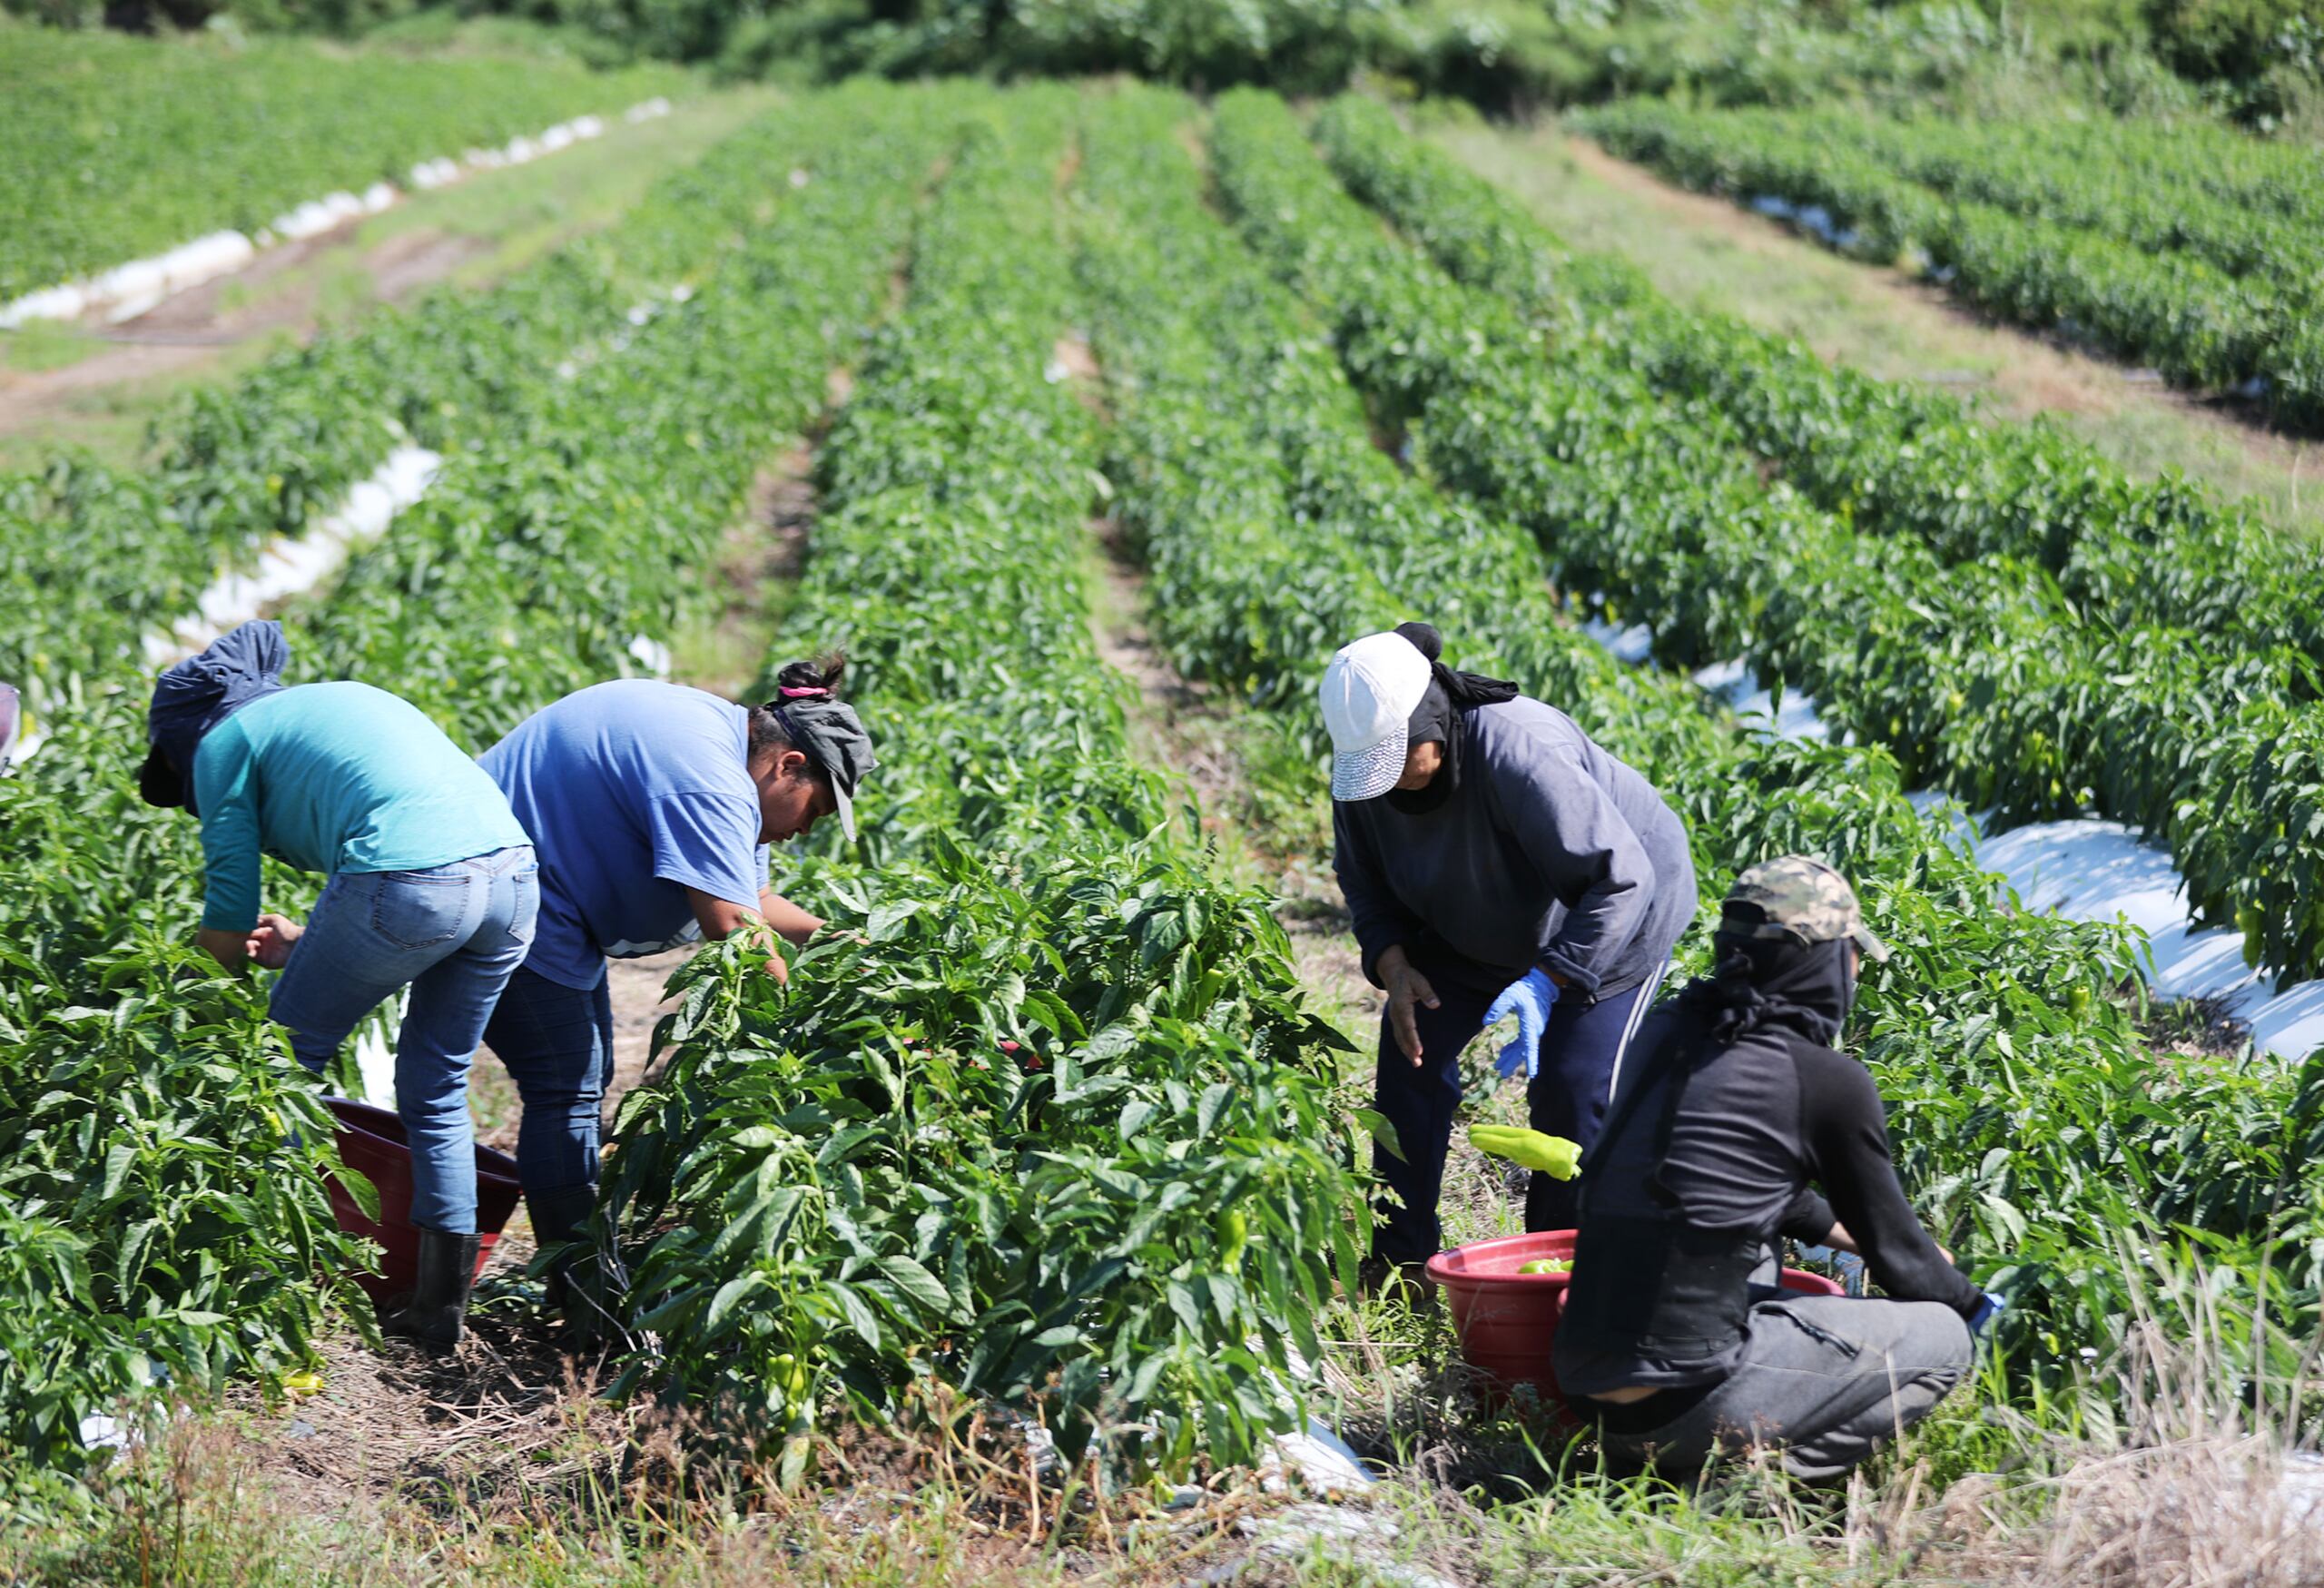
x,y
1803,899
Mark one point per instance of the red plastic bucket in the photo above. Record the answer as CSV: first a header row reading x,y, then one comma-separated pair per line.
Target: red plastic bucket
x,y
1507,1321
371,1142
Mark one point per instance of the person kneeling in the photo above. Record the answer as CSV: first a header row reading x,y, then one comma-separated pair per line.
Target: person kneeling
x,y
1667,1342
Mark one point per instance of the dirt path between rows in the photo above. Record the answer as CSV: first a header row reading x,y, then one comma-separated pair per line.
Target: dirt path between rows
x,y
1171,711
198,326
1180,725
2045,374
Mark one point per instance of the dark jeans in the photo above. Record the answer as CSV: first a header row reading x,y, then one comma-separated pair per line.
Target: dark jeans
x,y
557,1045
1580,1054
1824,1379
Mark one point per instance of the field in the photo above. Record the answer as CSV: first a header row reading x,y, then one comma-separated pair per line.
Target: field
x,y
1006,1241
2193,251
186,142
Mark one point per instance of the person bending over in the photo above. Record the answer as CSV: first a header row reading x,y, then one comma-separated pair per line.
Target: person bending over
x,y
652,805
433,886
1495,861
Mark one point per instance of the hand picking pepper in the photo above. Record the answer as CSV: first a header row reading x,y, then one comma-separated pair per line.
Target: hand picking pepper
x,y
1552,1155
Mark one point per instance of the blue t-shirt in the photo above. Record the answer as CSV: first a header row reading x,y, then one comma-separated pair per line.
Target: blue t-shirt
x,y
633,792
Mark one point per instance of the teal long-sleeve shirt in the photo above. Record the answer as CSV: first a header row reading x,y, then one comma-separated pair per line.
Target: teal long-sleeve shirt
x,y
336,777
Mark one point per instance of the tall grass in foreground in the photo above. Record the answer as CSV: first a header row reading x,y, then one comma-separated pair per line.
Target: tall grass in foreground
x,y
2173,1475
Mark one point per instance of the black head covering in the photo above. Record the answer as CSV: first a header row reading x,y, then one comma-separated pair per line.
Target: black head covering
x,y
197,695
1774,983
1436,720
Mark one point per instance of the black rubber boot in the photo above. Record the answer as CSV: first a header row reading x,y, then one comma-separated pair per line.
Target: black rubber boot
x,y
1407,1283
589,1284
434,1312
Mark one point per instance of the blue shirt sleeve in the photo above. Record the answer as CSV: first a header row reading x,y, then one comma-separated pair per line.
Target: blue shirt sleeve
x,y
708,842
225,780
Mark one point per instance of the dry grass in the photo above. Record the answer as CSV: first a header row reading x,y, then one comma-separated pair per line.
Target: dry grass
x,y
623,1497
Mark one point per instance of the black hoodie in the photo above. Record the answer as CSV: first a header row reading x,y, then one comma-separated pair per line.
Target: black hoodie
x,y
1767,1112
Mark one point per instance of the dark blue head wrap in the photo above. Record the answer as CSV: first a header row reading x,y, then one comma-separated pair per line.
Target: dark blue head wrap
x,y
197,695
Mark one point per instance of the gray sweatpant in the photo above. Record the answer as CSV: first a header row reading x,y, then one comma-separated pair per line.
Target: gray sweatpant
x,y
1824,1377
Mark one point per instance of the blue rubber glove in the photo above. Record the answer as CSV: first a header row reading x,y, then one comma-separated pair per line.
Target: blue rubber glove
x,y
1529,999
1988,1311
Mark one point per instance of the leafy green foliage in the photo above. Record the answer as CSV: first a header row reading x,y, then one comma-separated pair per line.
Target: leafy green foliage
x,y
1918,621
1886,457
117,148
988,1142
163,1211
2034,1121
2113,236
1046,1122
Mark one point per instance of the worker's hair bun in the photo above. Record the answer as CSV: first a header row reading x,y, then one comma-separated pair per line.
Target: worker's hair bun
x,y
822,672
1425,638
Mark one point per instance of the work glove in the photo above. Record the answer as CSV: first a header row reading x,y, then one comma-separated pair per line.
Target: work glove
x,y
1529,999
1987,1310
1555,1156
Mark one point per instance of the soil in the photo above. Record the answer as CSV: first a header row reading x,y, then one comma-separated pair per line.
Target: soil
x,y
761,555
494,1421
194,327
1071,358
2193,1028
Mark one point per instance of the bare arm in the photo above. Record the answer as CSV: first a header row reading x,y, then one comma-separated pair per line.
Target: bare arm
x,y
1406,988
721,919
788,920
230,949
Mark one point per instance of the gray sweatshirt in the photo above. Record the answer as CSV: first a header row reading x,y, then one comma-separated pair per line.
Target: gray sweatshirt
x,y
1550,853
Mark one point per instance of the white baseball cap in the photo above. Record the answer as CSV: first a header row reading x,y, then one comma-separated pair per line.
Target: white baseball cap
x,y
1368,695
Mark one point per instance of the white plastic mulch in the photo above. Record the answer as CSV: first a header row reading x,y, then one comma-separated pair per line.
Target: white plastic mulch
x,y
291,568
128,290
2085,869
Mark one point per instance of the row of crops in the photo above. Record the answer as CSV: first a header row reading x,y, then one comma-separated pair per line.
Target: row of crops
x,y
116,147
1049,1123
1057,1131
2186,251
2018,622
1033,896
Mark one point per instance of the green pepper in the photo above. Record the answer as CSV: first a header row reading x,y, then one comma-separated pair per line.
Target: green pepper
x,y
1233,1231
1552,1155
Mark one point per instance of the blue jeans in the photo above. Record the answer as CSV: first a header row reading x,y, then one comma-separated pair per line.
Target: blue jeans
x,y
1581,1053
557,1044
454,934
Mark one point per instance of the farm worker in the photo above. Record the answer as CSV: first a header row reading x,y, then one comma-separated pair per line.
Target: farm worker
x,y
433,886
652,805
1495,861
1737,1110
